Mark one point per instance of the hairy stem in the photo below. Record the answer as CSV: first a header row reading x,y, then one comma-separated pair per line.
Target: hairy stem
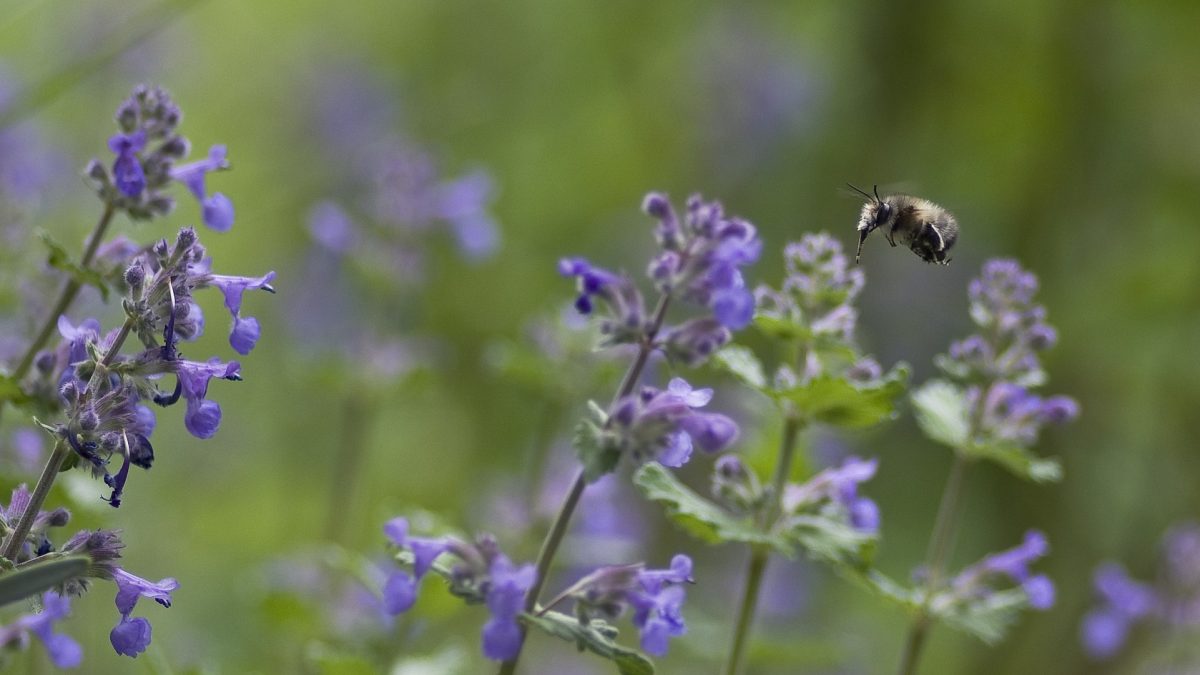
x,y
939,547
65,297
759,554
559,529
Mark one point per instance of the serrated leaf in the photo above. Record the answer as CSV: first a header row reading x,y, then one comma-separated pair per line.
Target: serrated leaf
x,y
595,637
597,460
828,539
61,260
24,582
837,401
987,618
882,586
941,412
741,362
1019,460
700,517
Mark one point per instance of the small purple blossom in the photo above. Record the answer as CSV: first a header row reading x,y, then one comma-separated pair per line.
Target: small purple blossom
x,y
655,596
128,175
245,331
203,416
505,597
663,425
1014,564
131,636
1012,413
400,589
64,652
217,210
838,486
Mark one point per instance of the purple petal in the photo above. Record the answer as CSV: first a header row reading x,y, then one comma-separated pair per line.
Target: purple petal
x,y
217,212
131,636
399,592
202,418
244,335
501,639
1040,591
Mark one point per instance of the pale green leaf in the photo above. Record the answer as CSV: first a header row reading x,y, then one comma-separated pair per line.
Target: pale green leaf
x,y
941,412
596,637
742,364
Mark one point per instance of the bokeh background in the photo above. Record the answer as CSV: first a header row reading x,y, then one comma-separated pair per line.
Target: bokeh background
x,y
1065,134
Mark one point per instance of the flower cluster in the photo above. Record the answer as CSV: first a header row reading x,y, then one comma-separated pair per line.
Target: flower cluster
x,y
146,151
834,492
699,261
664,425
655,596
975,581
105,415
1172,602
482,574
815,306
1001,361
102,549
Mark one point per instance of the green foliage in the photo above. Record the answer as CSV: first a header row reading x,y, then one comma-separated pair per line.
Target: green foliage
x,y
987,618
701,518
941,411
61,260
596,637
840,402
10,390
830,399
830,540
24,582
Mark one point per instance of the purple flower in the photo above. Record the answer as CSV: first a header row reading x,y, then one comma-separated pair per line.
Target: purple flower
x,y
1012,413
701,256
463,203
245,331
656,597
1014,564
127,171
64,652
663,425
332,228
217,210
131,636
626,311
400,589
1103,633
838,485
203,416
505,598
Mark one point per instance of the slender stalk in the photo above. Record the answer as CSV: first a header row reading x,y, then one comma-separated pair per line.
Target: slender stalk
x,y
12,546
759,554
65,297
939,546
558,529
357,413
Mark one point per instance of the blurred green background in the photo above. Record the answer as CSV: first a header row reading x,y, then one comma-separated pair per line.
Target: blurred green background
x,y
1064,134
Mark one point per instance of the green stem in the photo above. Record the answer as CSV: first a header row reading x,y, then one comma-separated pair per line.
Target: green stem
x,y
65,297
939,547
357,413
558,530
759,554
12,547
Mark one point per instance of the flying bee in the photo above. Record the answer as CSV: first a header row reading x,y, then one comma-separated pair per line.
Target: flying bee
x,y
926,228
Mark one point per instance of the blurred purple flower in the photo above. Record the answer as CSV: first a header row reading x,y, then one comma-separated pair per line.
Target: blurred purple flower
x,y
64,652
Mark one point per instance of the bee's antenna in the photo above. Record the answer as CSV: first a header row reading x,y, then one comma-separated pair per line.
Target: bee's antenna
x,y
877,194
859,191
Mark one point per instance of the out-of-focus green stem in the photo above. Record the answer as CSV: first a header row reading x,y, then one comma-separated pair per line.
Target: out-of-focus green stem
x,y
760,554
559,529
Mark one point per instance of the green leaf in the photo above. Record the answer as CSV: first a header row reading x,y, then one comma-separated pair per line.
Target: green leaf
x,y
10,390
781,328
941,411
987,618
882,586
596,637
59,259
597,459
830,540
700,517
1019,460
837,401
30,580
741,362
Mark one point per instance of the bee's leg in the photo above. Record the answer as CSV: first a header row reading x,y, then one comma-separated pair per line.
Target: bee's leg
x,y
890,240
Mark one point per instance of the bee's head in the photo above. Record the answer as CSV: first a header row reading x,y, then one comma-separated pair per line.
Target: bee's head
x,y
877,212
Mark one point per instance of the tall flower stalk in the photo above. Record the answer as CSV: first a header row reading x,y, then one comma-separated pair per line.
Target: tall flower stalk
x,y
990,413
